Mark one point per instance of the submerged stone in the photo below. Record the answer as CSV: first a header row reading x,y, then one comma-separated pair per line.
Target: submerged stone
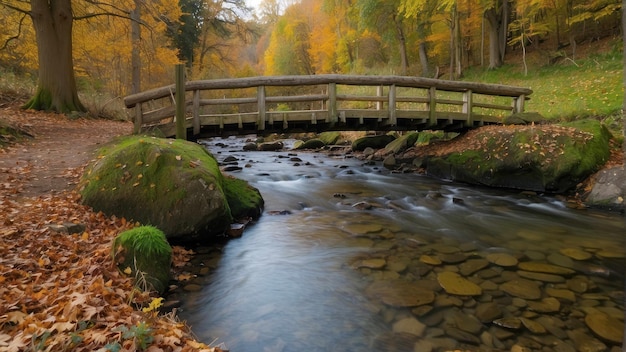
x,y
400,293
454,284
545,268
605,326
502,259
522,288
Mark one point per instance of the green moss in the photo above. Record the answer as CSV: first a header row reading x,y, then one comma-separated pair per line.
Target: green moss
x,y
144,253
329,138
243,199
139,162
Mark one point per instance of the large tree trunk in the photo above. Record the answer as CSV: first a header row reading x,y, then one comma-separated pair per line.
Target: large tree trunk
x,y
56,87
424,59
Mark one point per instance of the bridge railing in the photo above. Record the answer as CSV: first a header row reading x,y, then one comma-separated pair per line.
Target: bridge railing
x,y
399,102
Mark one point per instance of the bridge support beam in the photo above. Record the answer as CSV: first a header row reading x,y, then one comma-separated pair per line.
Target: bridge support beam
x,y
332,104
467,108
181,130
261,106
392,105
432,106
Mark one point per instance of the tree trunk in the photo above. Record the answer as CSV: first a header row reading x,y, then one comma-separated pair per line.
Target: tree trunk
x,y
135,27
404,60
56,87
424,59
495,58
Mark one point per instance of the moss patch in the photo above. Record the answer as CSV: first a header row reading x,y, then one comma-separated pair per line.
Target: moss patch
x,y
145,254
543,158
243,199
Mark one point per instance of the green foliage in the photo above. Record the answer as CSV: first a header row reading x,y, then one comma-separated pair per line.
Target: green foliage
x,y
141,334
145,253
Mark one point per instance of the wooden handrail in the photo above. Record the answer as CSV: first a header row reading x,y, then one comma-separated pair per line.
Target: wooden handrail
x,y
355,80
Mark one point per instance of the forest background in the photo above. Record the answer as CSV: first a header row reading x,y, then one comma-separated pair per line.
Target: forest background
x,y
451,39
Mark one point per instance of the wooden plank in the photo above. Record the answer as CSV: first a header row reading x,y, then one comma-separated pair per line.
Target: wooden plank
x,y
392,105
261,107
196,112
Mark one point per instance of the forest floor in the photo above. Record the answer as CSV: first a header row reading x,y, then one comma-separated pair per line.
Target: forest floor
x,y
60,290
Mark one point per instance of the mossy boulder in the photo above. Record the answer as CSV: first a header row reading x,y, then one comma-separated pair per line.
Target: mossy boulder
x,y
400,144
310,144
546,158
144,254
174,185
374,142
329,138
244,200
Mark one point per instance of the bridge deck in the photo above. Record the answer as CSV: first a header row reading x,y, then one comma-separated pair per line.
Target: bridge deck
x,y
313,103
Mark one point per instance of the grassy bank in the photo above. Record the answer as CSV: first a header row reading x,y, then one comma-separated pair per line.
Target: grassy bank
x,y
569,89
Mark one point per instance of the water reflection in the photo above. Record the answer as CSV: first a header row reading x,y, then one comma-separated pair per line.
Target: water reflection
x,y
303,281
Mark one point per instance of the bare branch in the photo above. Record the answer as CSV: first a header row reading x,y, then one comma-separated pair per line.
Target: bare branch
x,y
16,8
19,32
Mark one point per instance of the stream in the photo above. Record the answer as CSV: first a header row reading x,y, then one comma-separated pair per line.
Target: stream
x,y
348,256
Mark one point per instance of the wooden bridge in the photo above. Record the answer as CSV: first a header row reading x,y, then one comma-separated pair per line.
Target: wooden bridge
x,y
324,102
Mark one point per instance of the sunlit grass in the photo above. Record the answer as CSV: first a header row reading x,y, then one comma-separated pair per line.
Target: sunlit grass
x,y
568,90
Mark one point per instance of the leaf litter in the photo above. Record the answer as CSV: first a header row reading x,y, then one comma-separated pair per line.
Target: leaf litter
x,y
61,291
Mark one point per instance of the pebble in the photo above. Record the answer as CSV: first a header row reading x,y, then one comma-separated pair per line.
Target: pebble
x,y
410,326
541,276
401,293
427,259
454,284
546,305
502,259
605,326
487,312
533,326
471,266
576,254
522,288
545,268
563,294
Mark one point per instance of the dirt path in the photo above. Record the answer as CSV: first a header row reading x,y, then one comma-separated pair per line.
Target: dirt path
x,y
52,160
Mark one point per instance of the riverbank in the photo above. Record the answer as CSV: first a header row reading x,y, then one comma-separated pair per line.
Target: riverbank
x,y
59,288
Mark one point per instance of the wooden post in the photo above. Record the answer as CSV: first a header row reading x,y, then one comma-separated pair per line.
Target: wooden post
x,y
196,112
260,96
467,108
379,93
181,130
432,106
518,104
138,119
332,104
392,105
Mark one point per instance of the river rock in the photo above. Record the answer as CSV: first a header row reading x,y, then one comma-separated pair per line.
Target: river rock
x,y
362,228
575,253
545,268
541,276
584,342
560,260
373,263
410,326
271,146
561,293
389,162
454,284
608,189
401,293
502,259
509,323
487,312
533,326
546,305
471,266
432,260
453,258
605,326
462,336
463,321
375,142
578,284
522,288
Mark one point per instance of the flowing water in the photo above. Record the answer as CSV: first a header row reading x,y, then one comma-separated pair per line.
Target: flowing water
x,y
348,257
